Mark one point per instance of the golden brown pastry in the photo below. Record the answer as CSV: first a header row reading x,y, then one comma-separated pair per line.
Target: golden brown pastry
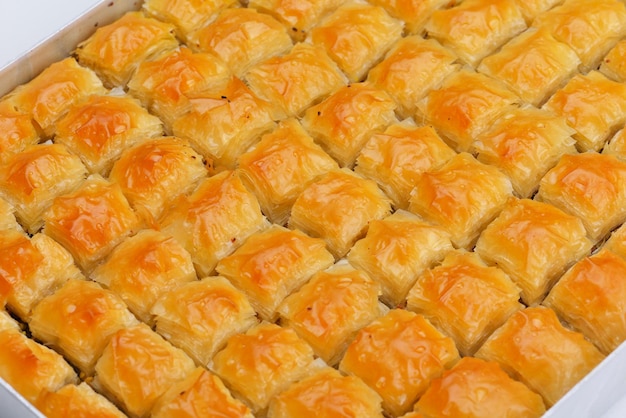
x,y
465,298
214,220
330,308
330,394
154,173
590,297
242,37
263,362
593,105
47,97
16,130
396,250
202,394
273,263
616,146
462,196
410,69
613,65
398,355
414,13
32,178
222,124
474,29
475,388
356,36
144,267
7,216
534,243
616,242
200,316
524,144
100,127
137,367
532,8
281,165
297,79
115,50
338,207
76,401
535,348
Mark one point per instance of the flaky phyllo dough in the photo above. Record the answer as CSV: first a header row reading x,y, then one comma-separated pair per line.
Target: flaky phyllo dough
x,y
346,208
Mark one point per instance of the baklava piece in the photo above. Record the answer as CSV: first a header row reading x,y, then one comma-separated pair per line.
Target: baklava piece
x,y
614,63
201,316
590,186
76,401
32,268
144,267
535,348
465,298
242,37
186,15
137,367
154,173
7,217
411,68
414,13
397,157
534,65
78,320
271,264
99,128
114,51
222,124
398,355
593,105
616,146
32,178
32,369
524,144
47,97
263,362
534,243
396,250
296,80
591,298
465,105
166,84
328,311
474,29
202,394
617,241
91,221
532,8
16,130
214,220
475,388
280,167
462,196
356,36
338,208
343,122
330,394
589,27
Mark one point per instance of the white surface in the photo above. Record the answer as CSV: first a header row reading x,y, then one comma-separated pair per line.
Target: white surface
x,y
24,24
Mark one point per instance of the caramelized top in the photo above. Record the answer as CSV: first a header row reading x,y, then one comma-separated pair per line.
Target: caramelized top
x,y
19,261
414,13
16,129
187,15
614,63
76,401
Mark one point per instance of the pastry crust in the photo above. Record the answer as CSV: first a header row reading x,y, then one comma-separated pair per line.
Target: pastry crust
x,y
76,401
534,243
143,268
398,355
330,308
532,8
100,127
272,264
337,208
414,13
475,388
465,298
214,220
356,36
462,196
200,316
396,250
613,65
281,166
535,348
616,242
16,130
114,51
343,122
7,216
